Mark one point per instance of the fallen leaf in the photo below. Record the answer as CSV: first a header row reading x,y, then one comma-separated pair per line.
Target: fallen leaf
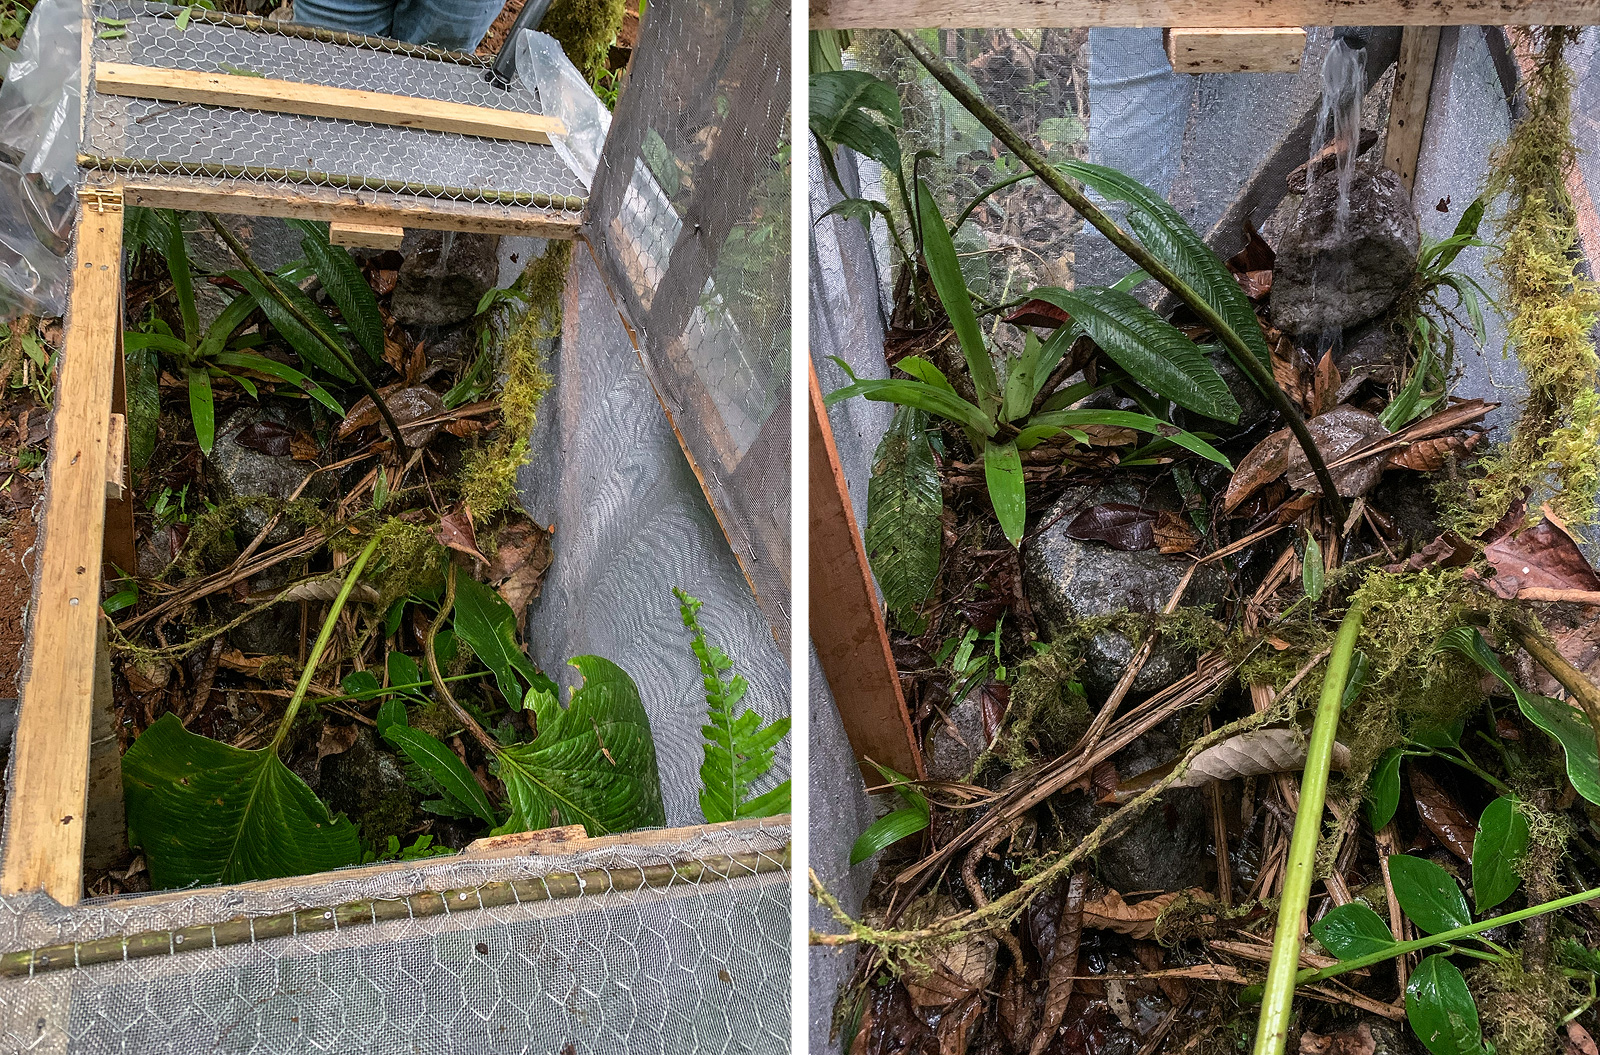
x,y
335,740
466,426
1256,284
1251,754
1107,435
1542,556
1061,960
1325,384
455,531
1173,534
1117,524
890,1025
1286,366
956,1023
268,437
1136,921
1336,434
1017,1007
1357,1040
406,404
993,698
522,556
1267,461
315,590
1153,957
1449,550
1039,313
384,281
303,447
1431,455
1448,822
1578,1041
954,972
1257,254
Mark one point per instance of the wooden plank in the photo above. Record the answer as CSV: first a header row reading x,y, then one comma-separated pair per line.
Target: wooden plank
x,y
366,235
1197,14
326,203
45,817
116,450
1408,103
121,548
847,626
1253,50
316,100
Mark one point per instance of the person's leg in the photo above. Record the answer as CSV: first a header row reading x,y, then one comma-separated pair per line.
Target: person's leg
x,y
454,24
374,18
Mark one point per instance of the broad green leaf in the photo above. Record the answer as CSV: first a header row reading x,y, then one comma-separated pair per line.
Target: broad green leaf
x,y
1022,380
842,105
486,623
592,763
1428,894
1360,668
863,209
916,394
1041,427
391,712
282,371
1153,351
143,380
1002,471
359,681
403,670
1169,238
945,269
1501,842
885,831
1440,1008
302,340
1383,795
1569,725
1439,737
342,281
182,279
904,502
205,812
1352,930
202,408
445,773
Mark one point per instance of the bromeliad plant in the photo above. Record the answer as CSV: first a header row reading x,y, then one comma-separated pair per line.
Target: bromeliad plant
x,y
1018,411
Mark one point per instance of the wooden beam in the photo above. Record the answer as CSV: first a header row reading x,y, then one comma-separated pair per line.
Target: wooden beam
x,y
847,625
45,812
315,100
326,203
1408,103
116,451
1196,14
1235,50
366,235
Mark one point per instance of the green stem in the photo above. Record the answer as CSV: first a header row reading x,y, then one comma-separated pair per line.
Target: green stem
x,y
1470,766
339,352
1272,1033
372,694
1155,268
321,644
983,196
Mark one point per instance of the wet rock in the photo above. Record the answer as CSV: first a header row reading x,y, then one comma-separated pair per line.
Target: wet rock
x,y
157,552
955,740
1412,510
1068,580
1334,276
444,276
368,784
1375,350
242,471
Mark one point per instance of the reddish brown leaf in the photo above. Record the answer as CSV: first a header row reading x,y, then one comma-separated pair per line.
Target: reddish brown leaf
x,y
1338,433
1542,556
891,1026
1117,524
1325,385
455,532
268,437
1449,550
1431,455
953,973
1356,1040
1448,822
1286,366
993,699
1061,960
335,740
1294,508
467,426
520,561
383,282
303,447
1017,1008
1173,534
1256,284
1577,1041
1256,255
1137,921
955,1025
1265,463
1039,313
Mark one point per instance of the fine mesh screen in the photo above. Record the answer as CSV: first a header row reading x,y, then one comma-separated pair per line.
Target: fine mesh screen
x,y
150,136
689,220
627,949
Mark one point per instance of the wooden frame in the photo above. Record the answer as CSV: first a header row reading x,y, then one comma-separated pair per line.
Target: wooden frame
x,y
1235,50
365,235
1408,104
1197,14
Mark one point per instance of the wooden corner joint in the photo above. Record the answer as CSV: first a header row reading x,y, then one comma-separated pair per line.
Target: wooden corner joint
x,y
100,199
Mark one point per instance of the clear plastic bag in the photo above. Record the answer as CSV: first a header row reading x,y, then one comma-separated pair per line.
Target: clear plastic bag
x,y
544,68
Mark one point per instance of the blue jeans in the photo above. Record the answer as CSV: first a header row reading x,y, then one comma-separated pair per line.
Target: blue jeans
x,y
454,24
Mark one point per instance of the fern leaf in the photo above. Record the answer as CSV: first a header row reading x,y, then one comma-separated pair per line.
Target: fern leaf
x,y
903,507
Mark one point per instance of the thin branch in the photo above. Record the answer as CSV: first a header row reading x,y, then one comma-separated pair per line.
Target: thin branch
x,y
489,743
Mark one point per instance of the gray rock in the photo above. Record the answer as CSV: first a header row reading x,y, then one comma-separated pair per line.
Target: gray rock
x,y
368,784
157,553
1376,350
1068,579
954,745
1330,276
238,471
437,287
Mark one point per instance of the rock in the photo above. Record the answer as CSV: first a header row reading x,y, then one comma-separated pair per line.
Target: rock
x,y
1376,350
1412,509
157,553
1330,276
239,471
1337,433
1068,579
956,740
368,784
438,288
1370,1036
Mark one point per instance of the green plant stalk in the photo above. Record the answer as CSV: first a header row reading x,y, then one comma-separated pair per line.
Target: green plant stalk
x,y
338,352
385,690
1137,253
467,721
321,645
1272,1032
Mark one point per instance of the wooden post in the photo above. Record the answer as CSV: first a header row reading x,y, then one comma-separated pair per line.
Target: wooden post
x,y
847,626
45,813
1408,104
1251,50
366,236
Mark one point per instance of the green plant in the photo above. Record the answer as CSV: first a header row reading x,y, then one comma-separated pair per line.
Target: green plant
x,y
902,823
1018,412
14,19
904,503
203,355
421,849
738,749
206,812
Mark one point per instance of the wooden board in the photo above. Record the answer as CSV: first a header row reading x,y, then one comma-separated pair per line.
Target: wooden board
x,y
315,100
1252,50
847,626
326,203
45,817
1408,104
1197,14
366,236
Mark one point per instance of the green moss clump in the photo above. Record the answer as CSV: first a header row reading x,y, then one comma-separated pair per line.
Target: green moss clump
x,y
213,542
489,479
1048,709
585,30
1552,453
1520,1009
414,561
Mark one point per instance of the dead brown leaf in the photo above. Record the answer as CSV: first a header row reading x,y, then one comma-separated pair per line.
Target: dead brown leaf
x,y
316,590
523,556
1448,822
1251,754
1431,455
956,1024
1061,960
1337,433
384,281
455,531
335,740
1136,921
1543,556
1257,254
303,447
1325,384
1017,1007
1267,461
1173,534
1256,284
1577,1041
406,404
954,973
1357,1040
1449,550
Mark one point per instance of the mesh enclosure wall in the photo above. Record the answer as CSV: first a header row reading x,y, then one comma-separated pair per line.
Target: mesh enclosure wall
x,y
627,949
689,221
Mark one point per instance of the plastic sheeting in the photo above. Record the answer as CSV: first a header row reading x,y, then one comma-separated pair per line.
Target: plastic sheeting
x,y
545,69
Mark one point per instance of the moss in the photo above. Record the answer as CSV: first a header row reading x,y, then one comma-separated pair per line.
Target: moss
x,y
1548,835
489,478
213,541
1048,709
585,30
414,561
1552,310
1520,1009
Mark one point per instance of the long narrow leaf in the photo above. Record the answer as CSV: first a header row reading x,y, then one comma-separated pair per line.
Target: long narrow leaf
x,y
915,394
345,287
1002,471
283,372
945,270
302,340
182,279
1042,426
202,407
232,317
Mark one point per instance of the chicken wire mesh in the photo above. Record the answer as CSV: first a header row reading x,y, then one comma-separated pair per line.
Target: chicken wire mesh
x,y
689,220
629,948
149,136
